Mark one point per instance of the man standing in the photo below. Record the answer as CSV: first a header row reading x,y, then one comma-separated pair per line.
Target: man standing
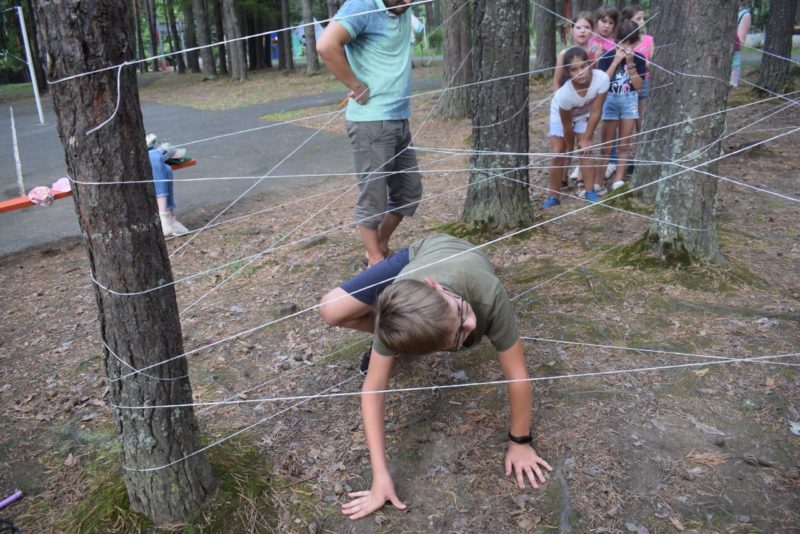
x,y
368,48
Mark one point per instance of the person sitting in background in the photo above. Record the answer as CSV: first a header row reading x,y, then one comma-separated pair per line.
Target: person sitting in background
x,y
162,180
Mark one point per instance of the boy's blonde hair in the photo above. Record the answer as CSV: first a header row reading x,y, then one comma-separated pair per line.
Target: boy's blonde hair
x,y
412,318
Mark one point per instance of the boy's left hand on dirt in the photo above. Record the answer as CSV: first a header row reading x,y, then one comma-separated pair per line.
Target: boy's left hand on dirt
x,y
523,461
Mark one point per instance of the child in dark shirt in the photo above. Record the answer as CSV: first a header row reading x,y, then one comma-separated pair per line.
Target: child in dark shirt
x,y
625,69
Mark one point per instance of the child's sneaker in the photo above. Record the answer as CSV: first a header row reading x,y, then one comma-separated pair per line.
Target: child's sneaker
x,y
581,192
178,228
575,172
166,224
550,202
592,197
600,190
611,169
616,185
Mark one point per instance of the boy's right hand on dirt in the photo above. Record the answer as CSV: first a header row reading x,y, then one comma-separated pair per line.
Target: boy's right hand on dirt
x,y
366,502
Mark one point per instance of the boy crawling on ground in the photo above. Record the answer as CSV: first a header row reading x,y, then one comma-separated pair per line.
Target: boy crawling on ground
x,y
435,295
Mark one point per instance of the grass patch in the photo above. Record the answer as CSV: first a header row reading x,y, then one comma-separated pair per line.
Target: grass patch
x,y
15,91
243,503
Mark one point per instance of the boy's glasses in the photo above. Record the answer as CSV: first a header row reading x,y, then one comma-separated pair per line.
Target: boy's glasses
x,y
462,317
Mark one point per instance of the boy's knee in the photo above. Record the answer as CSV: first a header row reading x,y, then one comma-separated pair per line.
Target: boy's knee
x,y
329,310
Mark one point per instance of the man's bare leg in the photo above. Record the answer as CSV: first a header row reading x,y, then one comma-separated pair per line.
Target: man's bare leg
x,y
377,240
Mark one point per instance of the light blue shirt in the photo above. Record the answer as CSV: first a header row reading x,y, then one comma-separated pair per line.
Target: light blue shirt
x,y
379,52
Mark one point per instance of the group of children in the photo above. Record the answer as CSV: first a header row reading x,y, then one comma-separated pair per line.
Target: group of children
x,y
604,77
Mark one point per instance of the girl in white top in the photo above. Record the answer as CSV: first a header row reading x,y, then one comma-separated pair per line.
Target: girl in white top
x,y
576,109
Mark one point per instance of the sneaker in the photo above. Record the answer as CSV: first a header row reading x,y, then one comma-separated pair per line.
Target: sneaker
x,y
364,367
592,197
166,224
550,202
178,228
581,192
616,185
600,190
611,169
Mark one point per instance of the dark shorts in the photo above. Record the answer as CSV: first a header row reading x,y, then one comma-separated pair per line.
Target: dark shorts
x,y
367,285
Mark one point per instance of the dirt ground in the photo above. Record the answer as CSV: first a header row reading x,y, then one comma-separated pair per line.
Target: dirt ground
x,y
706,448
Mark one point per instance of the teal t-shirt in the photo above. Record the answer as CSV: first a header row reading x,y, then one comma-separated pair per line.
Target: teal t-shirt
x,y
379,52
469,275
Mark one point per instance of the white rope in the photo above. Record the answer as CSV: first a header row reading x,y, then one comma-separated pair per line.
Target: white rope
x,y
477,247
658,351
457,386
240,431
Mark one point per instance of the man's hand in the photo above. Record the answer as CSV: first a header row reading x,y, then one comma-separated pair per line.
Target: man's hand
x,y
360,93
366,502
523,461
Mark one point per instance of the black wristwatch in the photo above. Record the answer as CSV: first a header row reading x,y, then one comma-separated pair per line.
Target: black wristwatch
x,y
522,440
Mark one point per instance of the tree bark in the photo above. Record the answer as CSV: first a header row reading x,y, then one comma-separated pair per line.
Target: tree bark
x,y
431,16
585,5
287,36
775,72
204,38
230,20
687,199
333,7
457,66
174,36
152,26
139,35
127,252
190,37
500,118
219,29
545,25
312,61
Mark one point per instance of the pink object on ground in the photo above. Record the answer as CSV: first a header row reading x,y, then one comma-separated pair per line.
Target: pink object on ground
x,y
41,196
11,498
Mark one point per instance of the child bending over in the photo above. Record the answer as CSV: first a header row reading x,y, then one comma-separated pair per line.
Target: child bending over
x,y
435,295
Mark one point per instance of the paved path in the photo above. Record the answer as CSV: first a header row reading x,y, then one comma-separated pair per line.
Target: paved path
x,y
251,154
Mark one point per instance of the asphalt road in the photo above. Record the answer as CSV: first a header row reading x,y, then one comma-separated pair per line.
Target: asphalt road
x,y
249,154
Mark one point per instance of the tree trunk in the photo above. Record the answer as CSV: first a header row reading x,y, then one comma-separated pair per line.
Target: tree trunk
x,y
174,36
431,17
152,26
775,72
127,252
230,20
585,5
251,44
333,7
545,25
190,37
287,36
139,36
457,66
312,61
500,118
687,199
258,43
204,38
219,28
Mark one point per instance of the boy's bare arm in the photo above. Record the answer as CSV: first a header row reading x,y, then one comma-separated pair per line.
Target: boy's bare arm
x,y
364,503
521,459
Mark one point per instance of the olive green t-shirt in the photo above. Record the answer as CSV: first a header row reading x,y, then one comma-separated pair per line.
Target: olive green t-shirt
x,y
469,275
